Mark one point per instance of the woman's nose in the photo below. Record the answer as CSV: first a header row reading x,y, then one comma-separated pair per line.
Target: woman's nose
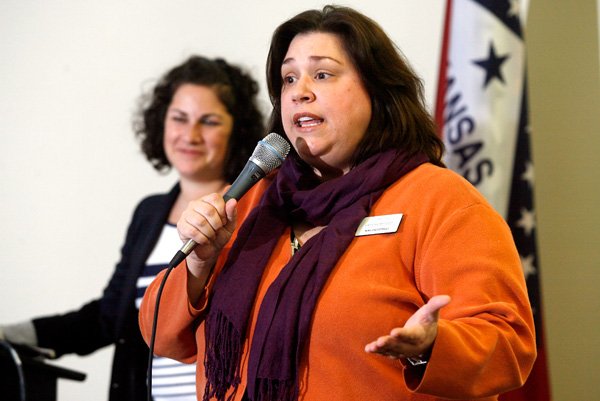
x,y
194,133
303,92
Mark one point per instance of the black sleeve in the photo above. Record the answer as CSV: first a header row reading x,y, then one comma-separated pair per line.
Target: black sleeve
x,y
95,325
74,332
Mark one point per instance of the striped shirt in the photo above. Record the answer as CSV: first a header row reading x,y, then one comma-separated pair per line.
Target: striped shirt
x,y
171,380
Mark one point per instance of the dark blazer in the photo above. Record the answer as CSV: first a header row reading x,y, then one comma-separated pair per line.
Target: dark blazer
x,y
112,319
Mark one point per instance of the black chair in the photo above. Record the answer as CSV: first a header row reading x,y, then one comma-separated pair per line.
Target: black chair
x,y
26,376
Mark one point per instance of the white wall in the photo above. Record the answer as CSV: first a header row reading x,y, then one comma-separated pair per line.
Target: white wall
x,y
70,169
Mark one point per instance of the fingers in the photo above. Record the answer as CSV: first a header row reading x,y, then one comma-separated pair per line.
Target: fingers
x,y
225,233
203,220
391,347
416,337
399,345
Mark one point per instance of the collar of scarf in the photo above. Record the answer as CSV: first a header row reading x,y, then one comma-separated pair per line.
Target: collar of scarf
x,y
285,313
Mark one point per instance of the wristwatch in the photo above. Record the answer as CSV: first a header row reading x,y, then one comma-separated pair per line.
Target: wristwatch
x,y
419,360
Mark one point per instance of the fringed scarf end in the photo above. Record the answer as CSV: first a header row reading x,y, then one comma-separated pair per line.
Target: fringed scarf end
x,y
222,357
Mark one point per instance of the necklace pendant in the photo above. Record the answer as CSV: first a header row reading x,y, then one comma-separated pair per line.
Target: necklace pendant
x,y
295,245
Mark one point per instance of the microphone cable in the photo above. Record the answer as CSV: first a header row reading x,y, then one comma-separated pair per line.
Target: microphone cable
x,y
153,331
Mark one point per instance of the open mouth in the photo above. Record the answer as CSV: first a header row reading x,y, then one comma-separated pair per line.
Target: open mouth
x,y
307,121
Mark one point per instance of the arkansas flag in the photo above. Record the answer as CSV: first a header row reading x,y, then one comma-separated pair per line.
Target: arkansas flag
x,y
481,111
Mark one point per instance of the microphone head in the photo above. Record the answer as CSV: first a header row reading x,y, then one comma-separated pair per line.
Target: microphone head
x,y
270,152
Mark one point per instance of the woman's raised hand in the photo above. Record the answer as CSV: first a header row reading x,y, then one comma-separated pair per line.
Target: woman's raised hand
x,y
210,222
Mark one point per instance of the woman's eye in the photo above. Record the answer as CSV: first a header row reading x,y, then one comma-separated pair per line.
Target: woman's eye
x,y
288,80
179,119
210,122
322,75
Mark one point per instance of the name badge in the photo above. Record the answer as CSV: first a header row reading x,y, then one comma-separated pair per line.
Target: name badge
x,y
379,225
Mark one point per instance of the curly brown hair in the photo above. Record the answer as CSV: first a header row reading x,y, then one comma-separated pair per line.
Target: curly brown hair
x,y
399,117
237,91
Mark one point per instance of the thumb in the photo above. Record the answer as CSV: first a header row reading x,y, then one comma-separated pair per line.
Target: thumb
x,y
231,212
433,306
428,313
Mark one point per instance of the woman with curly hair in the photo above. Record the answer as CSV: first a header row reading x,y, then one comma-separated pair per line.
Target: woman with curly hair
x,y
202,120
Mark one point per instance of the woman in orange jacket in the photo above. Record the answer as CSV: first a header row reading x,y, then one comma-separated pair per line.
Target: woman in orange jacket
x,y
362,269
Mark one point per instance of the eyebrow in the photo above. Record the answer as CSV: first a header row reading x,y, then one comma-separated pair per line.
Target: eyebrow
x,y
312,58
175,109
207,115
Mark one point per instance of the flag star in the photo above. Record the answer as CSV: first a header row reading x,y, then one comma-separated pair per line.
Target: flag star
x,y
515,9
527,221
528,175
527,266
492,65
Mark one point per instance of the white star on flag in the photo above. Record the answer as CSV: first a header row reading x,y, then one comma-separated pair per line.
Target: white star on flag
x,y
527,221
515,9
528,174
527,266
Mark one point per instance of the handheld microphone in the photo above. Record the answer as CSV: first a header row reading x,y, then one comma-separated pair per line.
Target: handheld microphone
x,y
270,152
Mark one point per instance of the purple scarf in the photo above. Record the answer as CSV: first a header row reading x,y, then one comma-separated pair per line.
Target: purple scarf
x,y
285,315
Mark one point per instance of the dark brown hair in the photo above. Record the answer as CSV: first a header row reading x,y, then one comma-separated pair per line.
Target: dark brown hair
x,y
234,88
399,117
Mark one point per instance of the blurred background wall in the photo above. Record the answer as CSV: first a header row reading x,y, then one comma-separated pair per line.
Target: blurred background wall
x,y
564,76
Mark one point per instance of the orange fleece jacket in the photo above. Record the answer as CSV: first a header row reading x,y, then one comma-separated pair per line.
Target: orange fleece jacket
x,y
450,241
